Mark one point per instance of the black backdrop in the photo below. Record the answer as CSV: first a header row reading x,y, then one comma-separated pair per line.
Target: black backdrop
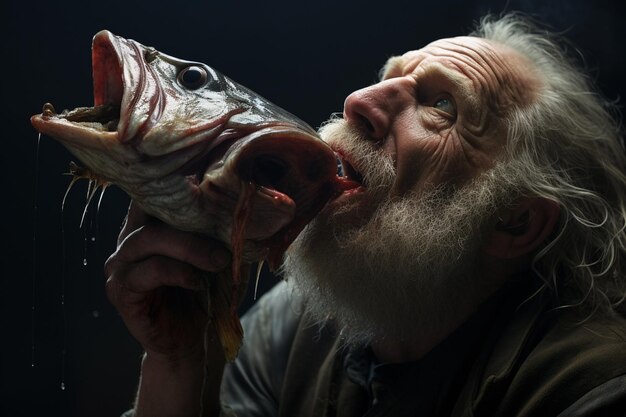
x,y
304,56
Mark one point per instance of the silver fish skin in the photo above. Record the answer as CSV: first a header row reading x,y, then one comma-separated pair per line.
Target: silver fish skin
x,y
186,142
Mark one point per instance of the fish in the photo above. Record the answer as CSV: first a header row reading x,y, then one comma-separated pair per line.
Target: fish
x,y
202,153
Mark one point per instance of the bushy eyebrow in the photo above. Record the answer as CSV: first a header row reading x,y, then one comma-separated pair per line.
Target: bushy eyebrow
x,y
393,65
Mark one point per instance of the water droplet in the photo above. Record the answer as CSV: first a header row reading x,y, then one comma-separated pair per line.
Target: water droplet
x,y
95,314
85,261
62,386
32,365
93,238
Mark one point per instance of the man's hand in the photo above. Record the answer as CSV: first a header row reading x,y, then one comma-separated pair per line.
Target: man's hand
x,y
157,280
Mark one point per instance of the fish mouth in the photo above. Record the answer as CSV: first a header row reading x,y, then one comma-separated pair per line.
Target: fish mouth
x,y
98,119
107,67
81,128
91,125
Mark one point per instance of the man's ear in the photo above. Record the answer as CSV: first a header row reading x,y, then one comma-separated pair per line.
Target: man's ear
x,y
523,227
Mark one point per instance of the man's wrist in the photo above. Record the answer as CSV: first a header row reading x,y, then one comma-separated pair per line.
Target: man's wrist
x,y
170,386
174,363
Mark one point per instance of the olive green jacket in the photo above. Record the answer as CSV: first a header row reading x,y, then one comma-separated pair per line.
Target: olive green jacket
x,y
512,359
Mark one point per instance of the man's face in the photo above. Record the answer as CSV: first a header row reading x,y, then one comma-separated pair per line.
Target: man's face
x,y
438,111
422,141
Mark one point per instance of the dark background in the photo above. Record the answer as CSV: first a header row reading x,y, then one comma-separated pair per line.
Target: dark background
x,y
304,56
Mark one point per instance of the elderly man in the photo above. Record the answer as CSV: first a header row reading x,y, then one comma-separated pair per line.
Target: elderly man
x,y
478,270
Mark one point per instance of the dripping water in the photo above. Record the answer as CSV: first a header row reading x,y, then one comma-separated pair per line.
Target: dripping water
x,y
91,191
62,385
90,236
92,187
258,275
97,287
63,273
84,247
34,283
90,233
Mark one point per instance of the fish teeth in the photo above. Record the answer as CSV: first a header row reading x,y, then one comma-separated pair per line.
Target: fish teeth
x,y
48,110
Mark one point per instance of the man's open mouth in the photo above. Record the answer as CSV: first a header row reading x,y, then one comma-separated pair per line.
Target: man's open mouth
x,y
349,172
349,177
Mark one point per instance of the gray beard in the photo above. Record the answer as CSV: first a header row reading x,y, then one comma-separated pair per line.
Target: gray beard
x,y
400,268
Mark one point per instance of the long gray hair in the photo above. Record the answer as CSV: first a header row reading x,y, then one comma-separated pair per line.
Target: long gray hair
x,y
567,146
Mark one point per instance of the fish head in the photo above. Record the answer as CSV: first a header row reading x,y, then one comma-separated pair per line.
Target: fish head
x,y
196,149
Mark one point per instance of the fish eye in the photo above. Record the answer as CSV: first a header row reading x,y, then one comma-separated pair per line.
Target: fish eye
x,y
193,77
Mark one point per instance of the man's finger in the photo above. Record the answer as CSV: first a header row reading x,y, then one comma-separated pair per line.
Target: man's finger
x,y
158,271
158,238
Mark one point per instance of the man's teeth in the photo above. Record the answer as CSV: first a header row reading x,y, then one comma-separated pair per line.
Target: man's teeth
x,y
340,172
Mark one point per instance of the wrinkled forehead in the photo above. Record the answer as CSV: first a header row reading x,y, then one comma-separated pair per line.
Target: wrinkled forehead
x,y
472,48
497,72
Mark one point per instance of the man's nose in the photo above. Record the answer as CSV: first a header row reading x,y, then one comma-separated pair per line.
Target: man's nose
x,y
373,108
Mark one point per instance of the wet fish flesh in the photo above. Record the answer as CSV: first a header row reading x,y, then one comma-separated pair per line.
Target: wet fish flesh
x,y
200,152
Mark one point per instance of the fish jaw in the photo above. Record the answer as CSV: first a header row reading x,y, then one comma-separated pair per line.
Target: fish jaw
x,y
107,70
122,76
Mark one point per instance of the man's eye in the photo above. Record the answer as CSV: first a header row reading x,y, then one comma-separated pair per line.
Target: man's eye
x,y
445,105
